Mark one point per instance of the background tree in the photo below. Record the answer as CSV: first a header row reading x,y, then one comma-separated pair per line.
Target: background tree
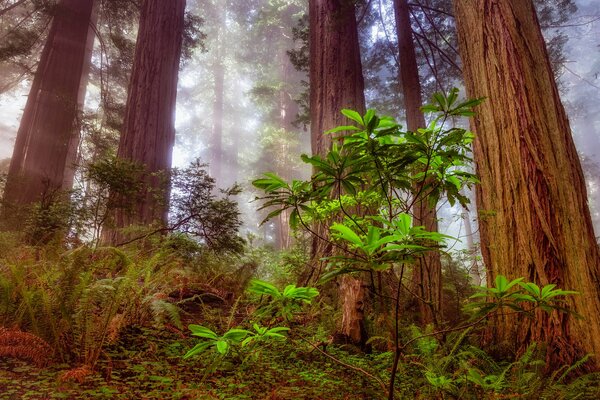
x,y
47,140
149,133
532,201
427,273
336,83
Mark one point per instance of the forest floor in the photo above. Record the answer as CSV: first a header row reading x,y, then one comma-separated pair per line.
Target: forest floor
x,y
148,364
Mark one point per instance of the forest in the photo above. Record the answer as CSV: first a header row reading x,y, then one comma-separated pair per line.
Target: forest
x,y
299,199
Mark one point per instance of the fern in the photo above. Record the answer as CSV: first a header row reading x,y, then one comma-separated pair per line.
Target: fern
x,y
24,345
166,312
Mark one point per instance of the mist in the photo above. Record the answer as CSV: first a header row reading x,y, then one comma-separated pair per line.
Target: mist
x,y
248,49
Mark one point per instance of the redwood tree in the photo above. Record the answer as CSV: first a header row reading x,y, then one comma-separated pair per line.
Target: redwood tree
x,y
46,143
336,82
148,132
427,274
532,201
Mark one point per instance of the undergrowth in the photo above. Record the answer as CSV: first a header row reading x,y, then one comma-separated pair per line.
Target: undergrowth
x,y
112,323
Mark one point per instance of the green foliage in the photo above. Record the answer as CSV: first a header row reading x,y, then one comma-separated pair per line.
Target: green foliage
x,y
113,184
514,294
233,339
377,166
284,303
195,210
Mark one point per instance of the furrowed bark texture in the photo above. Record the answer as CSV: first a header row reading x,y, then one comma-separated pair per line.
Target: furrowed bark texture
x,y
335,68
532,201
336,82
149,134
427,273
46,142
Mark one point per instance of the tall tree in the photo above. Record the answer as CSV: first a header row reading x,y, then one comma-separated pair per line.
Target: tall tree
x,y
45,148
218,70
148,132
427,274
534,218
336,82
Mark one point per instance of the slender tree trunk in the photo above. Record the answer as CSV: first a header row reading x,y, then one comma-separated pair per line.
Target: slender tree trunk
x,y
73,154
148,133
336,82
474,270
288,109
534,218
47,135
218,158
427,273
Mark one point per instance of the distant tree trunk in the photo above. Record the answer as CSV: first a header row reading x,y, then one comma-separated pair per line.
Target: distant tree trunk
x,y
217,157
532,201
474,270
148,133
427,273
336,82
73,155
47,136
288,109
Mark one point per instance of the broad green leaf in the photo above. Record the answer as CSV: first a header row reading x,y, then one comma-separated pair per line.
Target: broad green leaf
x,y
353,115
198,348
547,289
531,288
403,223
263,288
201,331
501,283
236,335
347,234
342,128
222,346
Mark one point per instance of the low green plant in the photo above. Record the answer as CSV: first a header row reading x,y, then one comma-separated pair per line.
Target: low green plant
x,y
284,304
515,294
234,339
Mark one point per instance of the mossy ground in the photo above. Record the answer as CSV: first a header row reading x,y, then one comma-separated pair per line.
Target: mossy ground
x,y
148,364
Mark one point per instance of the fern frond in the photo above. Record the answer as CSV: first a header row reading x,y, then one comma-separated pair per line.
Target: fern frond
x,y
26,346
164,311
77,374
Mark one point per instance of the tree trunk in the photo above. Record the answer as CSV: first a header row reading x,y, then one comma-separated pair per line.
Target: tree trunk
x,y
336,82
474,270
288,109
427,273
149,134
47,136
216,135
534,218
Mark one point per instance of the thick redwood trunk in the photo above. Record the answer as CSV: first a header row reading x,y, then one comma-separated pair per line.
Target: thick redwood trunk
x,y
47,136
148,133
335,68
336,82
532,201
427,273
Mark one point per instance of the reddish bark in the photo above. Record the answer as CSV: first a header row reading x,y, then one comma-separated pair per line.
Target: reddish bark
x,y
48,135
149,134
534,218
336,83
427,273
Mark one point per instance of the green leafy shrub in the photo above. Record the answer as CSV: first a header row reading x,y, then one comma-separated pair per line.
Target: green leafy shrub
x,y
195,210
284,304
233,339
